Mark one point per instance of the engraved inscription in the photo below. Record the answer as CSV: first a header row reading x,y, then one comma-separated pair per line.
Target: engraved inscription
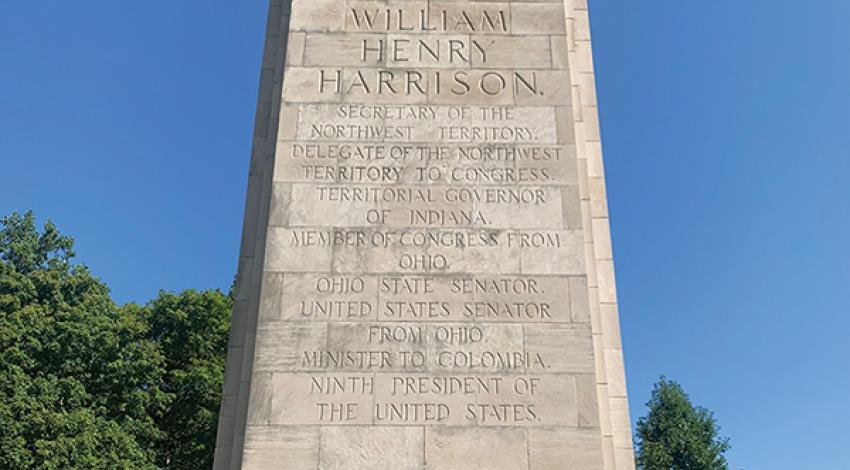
x,y
427,264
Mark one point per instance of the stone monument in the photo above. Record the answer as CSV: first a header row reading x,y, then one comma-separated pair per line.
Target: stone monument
x,y
426,279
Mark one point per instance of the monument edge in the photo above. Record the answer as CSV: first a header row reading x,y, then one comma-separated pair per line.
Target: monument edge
x,y
618,448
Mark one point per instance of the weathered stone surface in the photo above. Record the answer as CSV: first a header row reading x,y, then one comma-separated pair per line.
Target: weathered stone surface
x,y
426,279
452,448
371,448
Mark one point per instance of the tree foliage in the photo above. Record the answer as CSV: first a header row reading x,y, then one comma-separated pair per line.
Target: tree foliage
x,y
191,330
87,384
676,435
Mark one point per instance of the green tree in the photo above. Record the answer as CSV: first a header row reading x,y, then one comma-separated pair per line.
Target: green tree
x,y
77,381
191,329
86,384
676,435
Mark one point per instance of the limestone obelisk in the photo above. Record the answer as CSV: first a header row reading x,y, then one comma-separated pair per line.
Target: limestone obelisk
x,y
426,277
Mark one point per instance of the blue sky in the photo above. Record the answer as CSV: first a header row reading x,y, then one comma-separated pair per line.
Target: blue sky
x,y
726,127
